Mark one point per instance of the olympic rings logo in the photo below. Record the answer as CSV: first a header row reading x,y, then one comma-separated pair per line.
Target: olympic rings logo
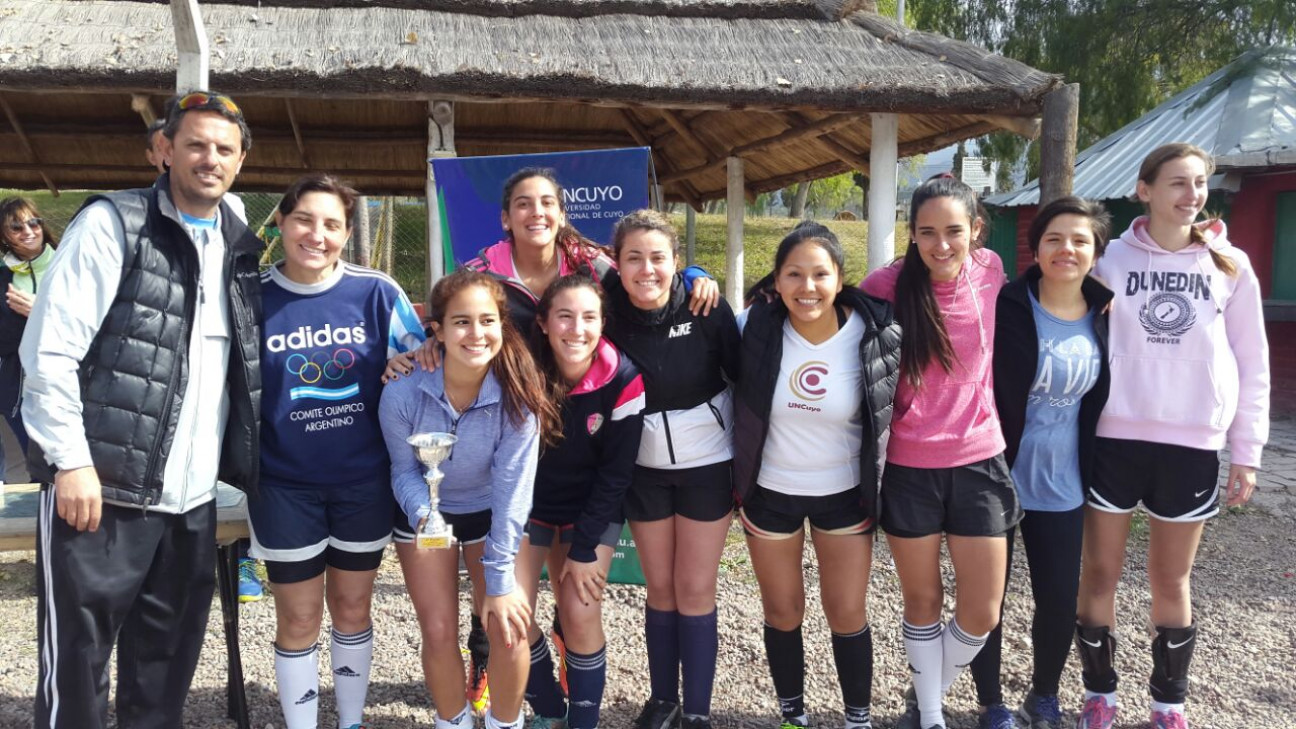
x,y
313,369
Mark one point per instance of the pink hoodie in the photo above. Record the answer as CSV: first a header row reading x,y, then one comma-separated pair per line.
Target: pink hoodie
x,y
1190,362
951,420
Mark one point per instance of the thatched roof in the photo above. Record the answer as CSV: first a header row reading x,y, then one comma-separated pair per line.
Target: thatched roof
x,y
694,79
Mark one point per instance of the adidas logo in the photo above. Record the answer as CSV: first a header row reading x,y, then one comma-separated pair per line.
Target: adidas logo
x,y
346,672
308,697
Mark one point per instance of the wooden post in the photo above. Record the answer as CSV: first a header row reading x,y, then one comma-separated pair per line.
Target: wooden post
x,y
883,152
440,144
1058,142
191,46
735,204
690,234
363,243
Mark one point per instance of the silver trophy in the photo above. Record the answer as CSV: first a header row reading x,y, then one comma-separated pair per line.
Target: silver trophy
x,y
431,449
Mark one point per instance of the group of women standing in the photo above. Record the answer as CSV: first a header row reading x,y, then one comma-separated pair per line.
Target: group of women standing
x,y
585,388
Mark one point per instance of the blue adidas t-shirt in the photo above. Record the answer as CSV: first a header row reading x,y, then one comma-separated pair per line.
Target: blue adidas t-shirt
x,y
323,352
1047,469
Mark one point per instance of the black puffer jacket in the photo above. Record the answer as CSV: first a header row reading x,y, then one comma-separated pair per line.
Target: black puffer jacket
x,y
762,353
136,369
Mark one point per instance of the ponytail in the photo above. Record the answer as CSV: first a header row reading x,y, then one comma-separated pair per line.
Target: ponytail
x,y
1221,261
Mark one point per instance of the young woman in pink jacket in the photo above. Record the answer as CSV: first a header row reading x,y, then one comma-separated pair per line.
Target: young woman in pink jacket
x,y
1189,375
945,474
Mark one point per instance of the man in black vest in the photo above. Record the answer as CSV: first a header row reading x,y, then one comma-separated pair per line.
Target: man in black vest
x,y
143,386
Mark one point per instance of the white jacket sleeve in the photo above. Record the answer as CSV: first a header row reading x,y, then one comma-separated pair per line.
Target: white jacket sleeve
x,y
73,300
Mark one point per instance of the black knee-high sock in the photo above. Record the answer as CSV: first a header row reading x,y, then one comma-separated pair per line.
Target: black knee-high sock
x,y
853,655
478,643
699,643
785,652
542,690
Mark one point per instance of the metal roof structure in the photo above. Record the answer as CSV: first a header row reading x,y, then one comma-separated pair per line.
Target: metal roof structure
x,y
1244,114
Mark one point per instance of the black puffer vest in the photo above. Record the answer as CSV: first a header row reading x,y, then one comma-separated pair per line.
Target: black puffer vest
x,y
133,376
762,354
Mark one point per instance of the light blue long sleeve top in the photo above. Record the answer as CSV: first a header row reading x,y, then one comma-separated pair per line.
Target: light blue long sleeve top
x,y
492,466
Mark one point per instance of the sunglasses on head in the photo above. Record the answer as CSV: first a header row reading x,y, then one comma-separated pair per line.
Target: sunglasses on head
x,y
204,100
33,223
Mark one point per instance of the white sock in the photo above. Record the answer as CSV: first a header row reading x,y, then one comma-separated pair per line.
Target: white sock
x,y
1165,708
923,647
297,677
458,721
352,655
1109,698
493,723
957,650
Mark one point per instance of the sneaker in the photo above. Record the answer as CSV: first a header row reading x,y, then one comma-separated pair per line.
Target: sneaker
x,y
544,722
695,722
658,714
911,719
361,725
795,722
1169,720
1096,714
560,647
996,716
249,588
477,689
1040,712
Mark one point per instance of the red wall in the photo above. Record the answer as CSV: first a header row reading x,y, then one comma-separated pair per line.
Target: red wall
x,y
1252,218
1025,216
1282,365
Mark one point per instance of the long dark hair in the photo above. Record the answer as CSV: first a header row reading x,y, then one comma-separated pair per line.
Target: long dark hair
x,y
925,338
1151,167
554,382
577,250
806,231
513,367
10,209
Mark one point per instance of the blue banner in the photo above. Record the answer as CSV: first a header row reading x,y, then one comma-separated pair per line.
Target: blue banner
x,y
600,186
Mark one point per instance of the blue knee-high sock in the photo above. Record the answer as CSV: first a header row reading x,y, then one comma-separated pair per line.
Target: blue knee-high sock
x,y
542,690
699,642
586,677
662,631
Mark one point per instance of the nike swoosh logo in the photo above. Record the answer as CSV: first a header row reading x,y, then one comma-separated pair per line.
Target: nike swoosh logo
x,y
1095,644
1172,646
1198,494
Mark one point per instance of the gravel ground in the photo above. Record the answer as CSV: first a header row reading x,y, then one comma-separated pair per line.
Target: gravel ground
x,y
1245,595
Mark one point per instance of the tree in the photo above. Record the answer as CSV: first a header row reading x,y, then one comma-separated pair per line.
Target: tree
x,y
830,194
1127,55
796,210
861,180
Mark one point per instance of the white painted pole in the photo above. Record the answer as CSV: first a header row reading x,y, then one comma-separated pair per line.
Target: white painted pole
x,y
690,234
191,46
440,144
883,151
900,11
736,204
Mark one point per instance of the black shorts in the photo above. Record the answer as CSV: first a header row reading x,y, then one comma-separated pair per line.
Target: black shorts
x,y
975,500
469,528
541,533
704,493
1174,483
773,515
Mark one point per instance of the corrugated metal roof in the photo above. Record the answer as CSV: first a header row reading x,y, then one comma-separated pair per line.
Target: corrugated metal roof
x,y
1252,123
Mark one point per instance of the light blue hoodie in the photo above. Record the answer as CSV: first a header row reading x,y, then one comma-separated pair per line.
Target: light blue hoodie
x,y
492,465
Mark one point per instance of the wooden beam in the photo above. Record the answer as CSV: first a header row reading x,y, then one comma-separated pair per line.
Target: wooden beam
x,y
664,165
1058,147
852,158
297,135
278,172
142,105
778,182
27,145
193,68
734,210
682,128
797,132
944,139
1022,126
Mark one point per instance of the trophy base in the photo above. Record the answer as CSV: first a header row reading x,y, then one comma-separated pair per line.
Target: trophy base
x,y
434,541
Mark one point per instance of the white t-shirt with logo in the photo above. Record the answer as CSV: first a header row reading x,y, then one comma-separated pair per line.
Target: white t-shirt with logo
x,y
816,417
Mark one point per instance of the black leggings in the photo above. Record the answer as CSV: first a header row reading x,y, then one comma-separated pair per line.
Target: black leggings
x,y
1052,540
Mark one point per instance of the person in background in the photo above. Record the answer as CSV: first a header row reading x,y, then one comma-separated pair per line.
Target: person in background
x,y
580,484
820,364
142,358
27,245
1189,375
